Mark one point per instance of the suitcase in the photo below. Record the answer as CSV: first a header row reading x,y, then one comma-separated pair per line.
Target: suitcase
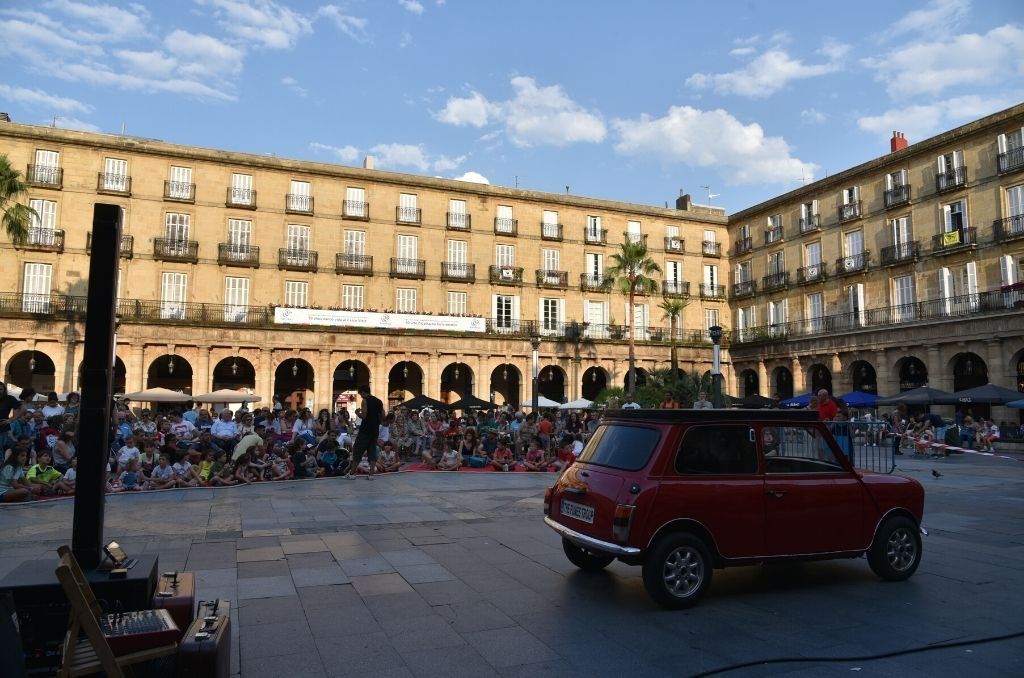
x,y
176,593
209,655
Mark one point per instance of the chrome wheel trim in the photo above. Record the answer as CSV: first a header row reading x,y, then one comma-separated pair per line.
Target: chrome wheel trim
x,y
901,549
683,572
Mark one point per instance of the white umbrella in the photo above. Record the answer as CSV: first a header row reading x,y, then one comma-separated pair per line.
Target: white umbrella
x,y
581,404
544,402
158,395
226,395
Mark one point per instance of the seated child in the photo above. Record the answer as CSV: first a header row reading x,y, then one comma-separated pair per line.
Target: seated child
x,y
71,475
277,463
149,457
206,467
327,461
504,459
565,458
126,454
131,478
13,486
388,461
451,460
185,474
244,473
43,478
162,475
536,459
438,447
221,473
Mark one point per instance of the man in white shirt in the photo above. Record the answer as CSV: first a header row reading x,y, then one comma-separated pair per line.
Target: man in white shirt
x,y
702,402
224,430
182,429
630,404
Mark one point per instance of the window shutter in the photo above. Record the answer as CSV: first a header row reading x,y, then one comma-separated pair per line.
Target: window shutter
x,y
946,290
888,182
856,193
941,162
1007,270
846,197
972,278
861,310
515,308
561,310
1001,142
947,218
958,159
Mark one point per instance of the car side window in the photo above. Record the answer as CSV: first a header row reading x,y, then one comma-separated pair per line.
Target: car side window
x,y
717,450
797,449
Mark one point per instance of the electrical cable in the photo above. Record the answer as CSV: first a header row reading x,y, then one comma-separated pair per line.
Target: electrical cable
x,y
861,658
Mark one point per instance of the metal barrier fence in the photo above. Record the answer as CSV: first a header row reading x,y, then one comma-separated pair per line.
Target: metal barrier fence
x,y
867,444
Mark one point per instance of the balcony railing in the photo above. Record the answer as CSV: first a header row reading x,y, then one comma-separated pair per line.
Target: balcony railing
x,y
635,238
675,288
950,179
355,209
44,176
353,264
810,223
297,260
596,283
773,235
744,245
775,281
506,226
855,263
233,254
595,236
815,273
546,278
116,184
53,305
172,249
954,240
242,198
901,253
1009,228
459,221
505,275
674,244
713,292
43,240
298,203
180,312
179,191
743,288
457,272
409,215
849,211
126,251
897,195
550,231
410,269
710,248
1012,160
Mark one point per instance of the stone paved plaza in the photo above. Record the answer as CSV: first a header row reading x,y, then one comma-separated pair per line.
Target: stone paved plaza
x,y
455,575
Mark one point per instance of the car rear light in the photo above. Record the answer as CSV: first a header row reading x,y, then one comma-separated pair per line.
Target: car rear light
x,y
547,500
622,522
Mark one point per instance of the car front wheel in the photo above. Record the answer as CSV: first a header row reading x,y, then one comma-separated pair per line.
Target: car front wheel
x,y
896,551
677,571
589,561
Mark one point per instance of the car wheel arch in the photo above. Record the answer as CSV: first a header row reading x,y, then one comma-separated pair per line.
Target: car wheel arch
x,y
897,511
691,526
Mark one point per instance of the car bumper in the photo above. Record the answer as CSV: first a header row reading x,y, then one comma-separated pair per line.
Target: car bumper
x,y
583,540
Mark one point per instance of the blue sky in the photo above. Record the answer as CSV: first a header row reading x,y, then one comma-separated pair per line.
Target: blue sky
x,y
625,101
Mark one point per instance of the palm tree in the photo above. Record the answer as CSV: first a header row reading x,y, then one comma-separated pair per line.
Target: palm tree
x,y
673,308
632,272
16,216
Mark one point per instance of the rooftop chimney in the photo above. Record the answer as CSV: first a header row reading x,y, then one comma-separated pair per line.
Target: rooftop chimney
x,y
4,117
683,202
369,162
898,141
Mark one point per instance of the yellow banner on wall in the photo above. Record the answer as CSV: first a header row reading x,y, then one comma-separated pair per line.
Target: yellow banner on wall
x,y
951,238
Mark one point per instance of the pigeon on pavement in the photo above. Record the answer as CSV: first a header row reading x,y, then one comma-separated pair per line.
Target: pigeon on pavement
x,y
936,474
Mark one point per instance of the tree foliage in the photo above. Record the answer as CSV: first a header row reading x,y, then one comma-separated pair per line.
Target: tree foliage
x,y
16,217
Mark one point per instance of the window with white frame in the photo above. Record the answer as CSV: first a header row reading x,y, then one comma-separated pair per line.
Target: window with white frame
x,y
408,208
594,233
115,175
46,169
850,206
551,314
1011,150
179,185
355,202
776,263
778,312
457,259
954,220
236,299
549,224
408,254
172,296
812,260
505,312
300,198
743,272
239,237
673,241
36,288
42,230
405,300
457,216
297,252
815,312
710,280
773,232
352,297
902,235
633,233
710,319
1014,222
296,293
595,267
904,298
596,313
855,304
641,319
355,242
744,321
551,259
505,222
457,303
241,190
177,227
710,244
808,216
853,249
674,277
505,255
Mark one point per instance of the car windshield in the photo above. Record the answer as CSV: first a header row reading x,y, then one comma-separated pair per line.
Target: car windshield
x,y
621,446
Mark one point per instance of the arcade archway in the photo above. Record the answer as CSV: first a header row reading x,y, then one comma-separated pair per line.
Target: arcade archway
x,y
456,382
235,374
506,381
31,369
595,380
294,382
405,381
821,378
171,372
551,383
863,376
782,382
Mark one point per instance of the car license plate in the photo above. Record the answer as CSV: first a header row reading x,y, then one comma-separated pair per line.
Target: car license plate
x,y
578,511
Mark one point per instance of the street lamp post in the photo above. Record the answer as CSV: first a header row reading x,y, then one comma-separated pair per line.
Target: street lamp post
x,y
716,370
535,344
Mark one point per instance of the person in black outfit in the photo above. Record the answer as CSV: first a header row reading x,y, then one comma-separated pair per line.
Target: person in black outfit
x,y
8,406
369,432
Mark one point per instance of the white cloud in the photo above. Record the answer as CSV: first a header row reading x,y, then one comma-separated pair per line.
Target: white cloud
x,y
148,64
411,6
38,99
921,121
474,177
769,72
405,39
260,22
203,56
812,116
293,84
346,154
34,38
742,154
103,23
936,18
71,123
968,59
742,51
390,156
446,164
473,110
353,26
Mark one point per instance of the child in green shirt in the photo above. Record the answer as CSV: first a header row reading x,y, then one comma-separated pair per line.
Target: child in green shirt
x,y
45,477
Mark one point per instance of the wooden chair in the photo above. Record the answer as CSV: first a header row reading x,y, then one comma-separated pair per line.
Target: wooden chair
x,y
92,654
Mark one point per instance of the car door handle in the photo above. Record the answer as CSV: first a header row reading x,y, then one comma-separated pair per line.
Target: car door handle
x,y
775,493
575,490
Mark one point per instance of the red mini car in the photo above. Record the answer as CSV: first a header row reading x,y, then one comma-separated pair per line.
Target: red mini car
x,y
682,492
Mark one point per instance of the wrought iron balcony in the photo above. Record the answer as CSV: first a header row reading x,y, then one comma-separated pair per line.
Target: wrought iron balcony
x,y
775,281
506,275
849,211
296,260
675,288
410,269
353,264
901,253
355,209
1012,160
1009,228
459,221
710,248
772,235
546,278
172,249
815,273
43,240
241,198
44,176
855,263
896,196
674,244
713,292
126,251
596,283
744,245
456,272
297,203
409,215
506,226
595,236
114,184
810,223
953,241
550,231
635,238
744,288
179,191
233,254
950,179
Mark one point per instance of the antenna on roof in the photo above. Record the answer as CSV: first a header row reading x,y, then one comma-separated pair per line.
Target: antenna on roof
x,y
567,189
711,196
804,178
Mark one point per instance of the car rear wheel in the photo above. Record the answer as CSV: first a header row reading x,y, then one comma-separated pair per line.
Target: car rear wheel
x,y
896,551
677,571
589,561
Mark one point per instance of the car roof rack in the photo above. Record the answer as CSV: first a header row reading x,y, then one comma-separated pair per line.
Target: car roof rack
x,y
712,416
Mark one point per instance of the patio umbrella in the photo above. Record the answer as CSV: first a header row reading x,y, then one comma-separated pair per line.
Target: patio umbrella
x,y
581,404
226,395
1017,404
158,395
755,402
918,396
802,400
544,402
860,399
422,402
471,402
989,394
